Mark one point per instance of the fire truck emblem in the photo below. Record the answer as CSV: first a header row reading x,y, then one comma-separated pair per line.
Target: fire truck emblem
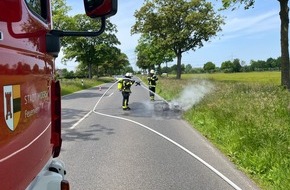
x,y
12,105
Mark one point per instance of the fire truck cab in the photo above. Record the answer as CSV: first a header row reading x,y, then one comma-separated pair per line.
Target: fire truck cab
x,y
30,97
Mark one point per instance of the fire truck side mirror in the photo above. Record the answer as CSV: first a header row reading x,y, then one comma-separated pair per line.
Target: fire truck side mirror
x,y
100,8
95,9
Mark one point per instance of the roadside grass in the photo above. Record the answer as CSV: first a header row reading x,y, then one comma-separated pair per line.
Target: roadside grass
x,y
247,116
69,86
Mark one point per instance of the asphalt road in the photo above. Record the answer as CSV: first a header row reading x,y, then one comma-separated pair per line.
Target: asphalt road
x,y
149,147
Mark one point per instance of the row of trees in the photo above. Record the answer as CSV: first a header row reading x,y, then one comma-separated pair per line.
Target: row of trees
x,y
240,66
96,55
236,65
79,73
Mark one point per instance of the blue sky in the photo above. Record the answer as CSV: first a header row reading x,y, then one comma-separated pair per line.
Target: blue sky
x,y
252,34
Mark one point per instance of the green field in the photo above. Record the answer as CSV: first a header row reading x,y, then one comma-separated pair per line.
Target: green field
x,y
247,116
259,77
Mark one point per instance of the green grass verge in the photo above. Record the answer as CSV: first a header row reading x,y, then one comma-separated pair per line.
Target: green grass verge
x,y
247,116
69,86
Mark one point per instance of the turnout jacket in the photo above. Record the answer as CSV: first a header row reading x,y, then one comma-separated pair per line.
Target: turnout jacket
x,y
125,84
152,80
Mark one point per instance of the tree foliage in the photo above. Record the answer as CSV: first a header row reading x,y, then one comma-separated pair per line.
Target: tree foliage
x,y
227,66
177,25
91,51
95,55
61,20
236,65
150,54
232,3
209,67
188,68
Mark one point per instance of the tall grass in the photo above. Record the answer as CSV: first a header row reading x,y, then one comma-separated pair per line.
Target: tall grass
x,y
69,86
249,121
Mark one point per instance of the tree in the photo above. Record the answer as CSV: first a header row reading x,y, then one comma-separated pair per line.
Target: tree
x,y
115,63
278,62
67,74
236,65
59,12
271,63
122,63
177,25
284,17
227,66
90,51
150,54
188,68
143,50
209,67
142,61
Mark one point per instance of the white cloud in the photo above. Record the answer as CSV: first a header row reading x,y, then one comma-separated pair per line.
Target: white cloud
x,y
250,25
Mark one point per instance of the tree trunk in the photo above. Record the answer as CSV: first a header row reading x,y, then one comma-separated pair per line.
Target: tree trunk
x,y
179,56
90,70
97,68
159,69
285,69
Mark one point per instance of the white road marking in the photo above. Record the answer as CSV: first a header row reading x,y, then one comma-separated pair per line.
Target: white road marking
x,y
79,121
178,145
163,136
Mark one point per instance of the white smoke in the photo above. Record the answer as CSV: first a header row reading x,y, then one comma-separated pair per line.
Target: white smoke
x,y
192,94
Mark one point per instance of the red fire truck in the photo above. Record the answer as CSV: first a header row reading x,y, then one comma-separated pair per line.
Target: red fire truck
x,y
30,98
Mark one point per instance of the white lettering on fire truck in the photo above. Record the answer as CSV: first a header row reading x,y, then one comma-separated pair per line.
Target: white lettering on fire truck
x,y
37,100
31,98
29,113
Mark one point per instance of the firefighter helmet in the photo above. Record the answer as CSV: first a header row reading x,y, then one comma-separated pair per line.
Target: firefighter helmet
x,y
128,75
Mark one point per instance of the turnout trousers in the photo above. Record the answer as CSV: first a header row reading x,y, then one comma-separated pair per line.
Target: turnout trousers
x,y
151,92
125,99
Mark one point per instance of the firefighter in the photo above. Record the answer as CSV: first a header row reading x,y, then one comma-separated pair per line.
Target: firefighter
x,y
124,85
152,78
